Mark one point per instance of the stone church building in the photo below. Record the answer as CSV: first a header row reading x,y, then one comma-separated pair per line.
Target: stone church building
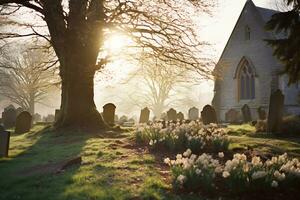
x,y
247,72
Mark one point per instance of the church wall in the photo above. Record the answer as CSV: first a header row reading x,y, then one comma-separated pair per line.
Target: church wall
x,y
258,53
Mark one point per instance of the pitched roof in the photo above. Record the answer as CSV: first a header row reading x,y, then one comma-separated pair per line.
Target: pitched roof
x,y
266,13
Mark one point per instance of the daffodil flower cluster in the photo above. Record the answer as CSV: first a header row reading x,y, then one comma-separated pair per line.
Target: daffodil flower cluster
x,y
179,136
240,174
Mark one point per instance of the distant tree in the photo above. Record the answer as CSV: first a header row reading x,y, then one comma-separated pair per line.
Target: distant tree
x,y
157,84
24,81
287,47
79,28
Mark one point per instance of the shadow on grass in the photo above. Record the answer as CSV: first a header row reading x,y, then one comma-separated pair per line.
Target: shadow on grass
x,y
31,171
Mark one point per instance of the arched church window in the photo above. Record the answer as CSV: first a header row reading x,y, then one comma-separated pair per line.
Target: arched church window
x,y
246,81
247,33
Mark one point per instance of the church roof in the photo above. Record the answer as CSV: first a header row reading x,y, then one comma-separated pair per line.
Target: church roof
x,y
266,13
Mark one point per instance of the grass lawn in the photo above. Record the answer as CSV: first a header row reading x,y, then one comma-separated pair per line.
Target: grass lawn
x,y
112,167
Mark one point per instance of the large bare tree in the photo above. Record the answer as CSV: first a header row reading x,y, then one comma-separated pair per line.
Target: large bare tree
x,y
24,79
77,31
157,83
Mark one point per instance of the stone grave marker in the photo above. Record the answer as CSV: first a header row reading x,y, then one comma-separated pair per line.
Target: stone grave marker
x,y
145,114
180,116
275,111
262,115
9,117
109,113
193,113
232,116
56,115
208,115
23,123
172,115
4,142
246,114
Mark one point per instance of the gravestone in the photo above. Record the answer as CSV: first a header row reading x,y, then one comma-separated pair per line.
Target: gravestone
x,y
9,117
246,114
193,113
275,111
109,113
56,115
4,142
232,116
49,118
19,110
23,123
180,116
164,116
123,119
145,114
208,115
172,115
37,117
262,115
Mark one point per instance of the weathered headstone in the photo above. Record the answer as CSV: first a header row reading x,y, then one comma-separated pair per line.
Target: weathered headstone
x,y
19,110
232,116
109,113
193,113
37,117
49,118
246,114
9,117
180,116
23,123
56,115
275,111
208,115
164,116
172,115
4,142
123,119
145,114
262,115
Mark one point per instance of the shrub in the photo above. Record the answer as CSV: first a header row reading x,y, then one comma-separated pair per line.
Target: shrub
x,y
235,176
177,137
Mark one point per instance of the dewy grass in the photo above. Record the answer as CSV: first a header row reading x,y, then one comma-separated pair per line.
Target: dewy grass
x,y
111,168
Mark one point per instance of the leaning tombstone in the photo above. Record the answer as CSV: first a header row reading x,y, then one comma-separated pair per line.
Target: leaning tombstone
x,y
23,123
208,115
145,114
109,113
180,116
246,114
262,115
4,142
193,113
275,111
172,115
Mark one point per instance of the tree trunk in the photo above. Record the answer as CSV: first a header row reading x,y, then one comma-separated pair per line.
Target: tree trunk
x,y
78,109
31,104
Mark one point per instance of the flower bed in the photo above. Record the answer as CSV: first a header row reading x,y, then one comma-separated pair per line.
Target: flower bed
x,y
180,136
239,175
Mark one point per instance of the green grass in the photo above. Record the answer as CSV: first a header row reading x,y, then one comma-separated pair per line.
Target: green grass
x,y
244,136
112,167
